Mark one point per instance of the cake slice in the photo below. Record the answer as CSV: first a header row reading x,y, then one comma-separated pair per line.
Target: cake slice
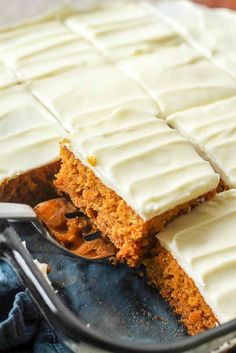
x,y
122,30
212,130
131,174
85,94
179,78
57,59
194,264
106,14
45,48
29,148
211,31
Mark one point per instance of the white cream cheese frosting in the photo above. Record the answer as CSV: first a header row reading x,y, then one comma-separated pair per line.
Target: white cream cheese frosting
x,y
204,244
19,43
87,94
7,78
144,161
109,14
59,59
130,35
179,78
29,135
211,31
45,48
212,129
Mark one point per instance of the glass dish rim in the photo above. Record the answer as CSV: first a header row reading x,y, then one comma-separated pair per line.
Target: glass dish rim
x,y
66,323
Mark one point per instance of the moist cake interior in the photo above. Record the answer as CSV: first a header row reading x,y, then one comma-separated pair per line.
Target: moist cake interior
x,y
127,189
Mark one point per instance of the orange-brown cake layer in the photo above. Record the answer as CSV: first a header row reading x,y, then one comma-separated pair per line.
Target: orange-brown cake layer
x,y
109,212
180,291
31,187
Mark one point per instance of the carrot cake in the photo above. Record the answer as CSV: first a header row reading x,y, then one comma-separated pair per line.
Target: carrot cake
x,y
194,264
142,101
137,40
29,148
212,130
122,30
86,94
44,48
177,83
131,174
211,31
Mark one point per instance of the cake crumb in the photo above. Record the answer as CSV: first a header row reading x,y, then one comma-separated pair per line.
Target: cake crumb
x,y
92,160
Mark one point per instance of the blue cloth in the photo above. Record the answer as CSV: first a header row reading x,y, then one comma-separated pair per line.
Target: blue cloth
x,y
114,300
22,327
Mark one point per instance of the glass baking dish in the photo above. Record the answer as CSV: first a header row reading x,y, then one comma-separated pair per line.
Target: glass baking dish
x,y
97,307
94,306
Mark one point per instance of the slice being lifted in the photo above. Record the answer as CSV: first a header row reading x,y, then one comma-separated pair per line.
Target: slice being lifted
x,y
195,265
131,174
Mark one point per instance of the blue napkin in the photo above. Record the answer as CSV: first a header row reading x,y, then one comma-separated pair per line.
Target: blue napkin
x,y
114,300
22,327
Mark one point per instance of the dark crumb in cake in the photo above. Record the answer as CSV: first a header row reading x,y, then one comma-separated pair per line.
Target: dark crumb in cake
x,y
31,187
222,187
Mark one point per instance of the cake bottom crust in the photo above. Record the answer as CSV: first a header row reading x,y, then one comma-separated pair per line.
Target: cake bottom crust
x,y
31,187
110,213
179,290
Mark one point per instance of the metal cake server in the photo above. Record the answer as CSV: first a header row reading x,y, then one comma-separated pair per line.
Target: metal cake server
x,y
13,212
72,330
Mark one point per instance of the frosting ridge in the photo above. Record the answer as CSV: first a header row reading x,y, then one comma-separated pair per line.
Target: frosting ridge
x,y
212,129
31,143
149,164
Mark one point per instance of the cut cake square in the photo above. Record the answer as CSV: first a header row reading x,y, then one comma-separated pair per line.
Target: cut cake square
x,y
194,264
131,174
29,148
